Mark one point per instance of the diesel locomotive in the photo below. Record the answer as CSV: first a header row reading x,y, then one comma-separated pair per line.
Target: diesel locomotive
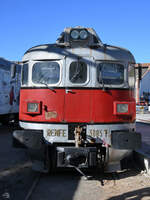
x,y
77,103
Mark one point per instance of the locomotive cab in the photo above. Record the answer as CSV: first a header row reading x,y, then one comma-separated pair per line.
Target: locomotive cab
x,y
77,104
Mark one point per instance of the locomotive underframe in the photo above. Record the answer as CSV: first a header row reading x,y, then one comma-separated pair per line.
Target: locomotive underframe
x,y
94,151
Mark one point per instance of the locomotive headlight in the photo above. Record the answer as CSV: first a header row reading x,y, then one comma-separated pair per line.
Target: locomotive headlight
x,y
122,108
32,107
83,34
75,34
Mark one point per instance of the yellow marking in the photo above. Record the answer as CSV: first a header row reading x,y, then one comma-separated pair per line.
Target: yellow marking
x,y
51,114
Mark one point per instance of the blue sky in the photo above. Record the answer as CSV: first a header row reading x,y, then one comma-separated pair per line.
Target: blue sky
x,y
26,23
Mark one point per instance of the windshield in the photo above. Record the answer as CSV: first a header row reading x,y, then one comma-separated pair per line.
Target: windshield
x,y
46,72
110,73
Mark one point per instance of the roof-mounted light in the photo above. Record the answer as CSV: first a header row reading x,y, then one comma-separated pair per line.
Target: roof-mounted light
x,y
75,34
83,34
80,34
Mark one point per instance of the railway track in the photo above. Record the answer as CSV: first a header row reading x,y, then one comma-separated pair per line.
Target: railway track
x,y
14,169
5,186
64,183
11,178
33,187
44,187
97,183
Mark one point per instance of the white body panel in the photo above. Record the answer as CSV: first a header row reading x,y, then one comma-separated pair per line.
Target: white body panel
x,y
59,132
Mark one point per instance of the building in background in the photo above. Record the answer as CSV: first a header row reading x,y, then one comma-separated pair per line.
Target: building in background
x,y
143,85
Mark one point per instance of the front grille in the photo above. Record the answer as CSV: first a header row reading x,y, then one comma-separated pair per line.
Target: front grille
x,y
71,129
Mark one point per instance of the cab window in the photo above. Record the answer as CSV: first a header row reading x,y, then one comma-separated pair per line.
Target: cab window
x,y
78,72
46,72
25,74
110,73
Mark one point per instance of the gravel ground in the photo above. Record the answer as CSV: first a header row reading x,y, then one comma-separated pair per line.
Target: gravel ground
x,y
17,185
126,185
16,175
130,185
10,156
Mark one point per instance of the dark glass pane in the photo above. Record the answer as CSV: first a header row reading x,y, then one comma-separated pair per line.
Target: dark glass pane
x,y
110,73
78,72
46,72
25,74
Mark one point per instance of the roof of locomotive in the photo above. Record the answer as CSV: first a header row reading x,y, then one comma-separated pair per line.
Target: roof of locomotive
x,y
60,50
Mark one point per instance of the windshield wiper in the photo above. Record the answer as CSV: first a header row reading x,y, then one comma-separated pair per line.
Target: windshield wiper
x,y
77,72
48,87
76,75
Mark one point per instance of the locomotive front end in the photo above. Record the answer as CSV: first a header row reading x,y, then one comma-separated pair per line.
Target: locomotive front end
x,y
77,104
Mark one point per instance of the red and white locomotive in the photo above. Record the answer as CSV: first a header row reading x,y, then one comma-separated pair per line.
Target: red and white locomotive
x,y
77,103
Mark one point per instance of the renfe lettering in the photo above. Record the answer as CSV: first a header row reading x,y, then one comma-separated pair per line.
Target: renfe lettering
x,y
56,132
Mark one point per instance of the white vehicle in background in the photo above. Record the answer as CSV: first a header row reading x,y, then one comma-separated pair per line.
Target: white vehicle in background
x,y
9,90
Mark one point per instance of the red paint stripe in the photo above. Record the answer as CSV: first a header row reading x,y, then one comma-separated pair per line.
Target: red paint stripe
x,y
77,106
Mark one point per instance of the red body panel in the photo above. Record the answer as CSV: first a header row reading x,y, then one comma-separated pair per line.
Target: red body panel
x,y
79,105
50,102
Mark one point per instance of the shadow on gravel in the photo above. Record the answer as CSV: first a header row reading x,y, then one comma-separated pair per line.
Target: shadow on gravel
x,y
129,169
10,156
135,195
67,185
14,180
104,178
60,185
16,186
